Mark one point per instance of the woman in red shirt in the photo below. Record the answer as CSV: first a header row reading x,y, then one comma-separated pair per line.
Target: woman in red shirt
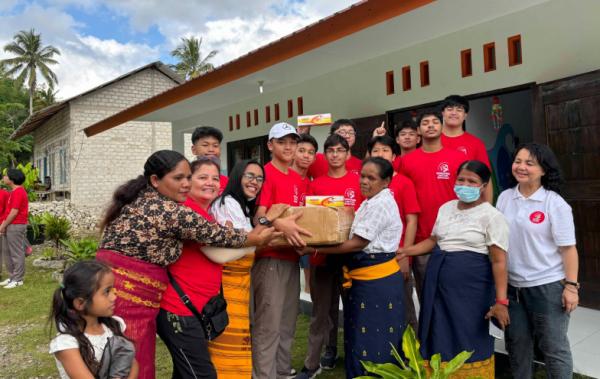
x,y
200,280
14,228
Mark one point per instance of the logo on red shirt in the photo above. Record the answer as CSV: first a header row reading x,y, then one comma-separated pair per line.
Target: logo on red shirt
x,y
443,171
296,195
537,217
462,149
349,197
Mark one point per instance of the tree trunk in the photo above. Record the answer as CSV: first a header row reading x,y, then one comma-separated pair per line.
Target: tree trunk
x,y
30,101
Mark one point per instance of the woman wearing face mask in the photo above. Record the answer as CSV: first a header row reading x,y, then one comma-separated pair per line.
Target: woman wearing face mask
x,y
466,278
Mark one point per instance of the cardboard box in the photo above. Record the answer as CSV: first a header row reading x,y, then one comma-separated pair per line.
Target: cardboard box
x,y
329,226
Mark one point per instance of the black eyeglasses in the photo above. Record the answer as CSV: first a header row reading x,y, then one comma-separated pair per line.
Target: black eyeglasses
x,y
251,177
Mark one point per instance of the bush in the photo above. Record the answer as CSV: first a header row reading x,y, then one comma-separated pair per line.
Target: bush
x,y
49,254
57,228
35,229
80,250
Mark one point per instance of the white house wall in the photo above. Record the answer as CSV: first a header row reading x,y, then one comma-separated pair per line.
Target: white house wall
x,y
559,39
47,143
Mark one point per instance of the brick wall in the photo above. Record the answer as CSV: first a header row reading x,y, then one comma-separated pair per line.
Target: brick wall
x,y
99,164
48,141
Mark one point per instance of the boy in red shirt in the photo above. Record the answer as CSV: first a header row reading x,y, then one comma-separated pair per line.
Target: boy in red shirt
x,y
406,198
305,156
455,110
206,142
347,129
276,275
432,169
326,274
407,137
14,228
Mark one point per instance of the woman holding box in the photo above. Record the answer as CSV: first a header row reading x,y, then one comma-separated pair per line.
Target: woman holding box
x,y
374,304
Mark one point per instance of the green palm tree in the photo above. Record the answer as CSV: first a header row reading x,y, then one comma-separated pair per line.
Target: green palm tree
x,y
44,97
30,57
191,64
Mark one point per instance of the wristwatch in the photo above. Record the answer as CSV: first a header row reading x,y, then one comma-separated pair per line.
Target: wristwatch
x,y
264,221
568,282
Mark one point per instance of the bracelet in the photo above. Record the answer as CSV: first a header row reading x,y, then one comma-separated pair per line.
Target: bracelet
x,y
566,282
502,301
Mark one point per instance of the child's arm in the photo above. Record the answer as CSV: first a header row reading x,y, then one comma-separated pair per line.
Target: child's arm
x,y
135,370
73,364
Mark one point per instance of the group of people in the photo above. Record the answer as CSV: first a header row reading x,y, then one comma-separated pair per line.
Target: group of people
x,y
14,212
182,234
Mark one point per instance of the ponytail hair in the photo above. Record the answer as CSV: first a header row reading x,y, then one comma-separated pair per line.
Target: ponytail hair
x,y
160,164
80,281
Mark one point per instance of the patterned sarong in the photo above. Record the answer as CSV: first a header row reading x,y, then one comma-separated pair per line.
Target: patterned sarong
x,y
458,291
373,312
231,352
139,286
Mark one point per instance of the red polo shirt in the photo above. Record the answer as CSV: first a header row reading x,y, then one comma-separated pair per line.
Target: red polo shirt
x,y
471,146
320,167
18,200
198,276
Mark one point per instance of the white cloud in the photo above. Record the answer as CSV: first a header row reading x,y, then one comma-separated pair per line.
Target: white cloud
x,y
232,27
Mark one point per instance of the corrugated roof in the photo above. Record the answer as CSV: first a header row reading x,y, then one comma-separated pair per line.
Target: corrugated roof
x,y
38,118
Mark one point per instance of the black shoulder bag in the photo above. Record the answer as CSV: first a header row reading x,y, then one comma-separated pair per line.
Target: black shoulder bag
x,y
214,318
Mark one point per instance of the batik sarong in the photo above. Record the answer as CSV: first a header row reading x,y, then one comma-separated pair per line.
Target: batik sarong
x,y
139,286
458,291
373,310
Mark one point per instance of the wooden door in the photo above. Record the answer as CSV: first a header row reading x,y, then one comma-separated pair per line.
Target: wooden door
x,y
365,127
251,148
569,122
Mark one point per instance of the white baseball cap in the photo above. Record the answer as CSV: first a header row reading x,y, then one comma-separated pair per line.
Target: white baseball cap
x,y
282,129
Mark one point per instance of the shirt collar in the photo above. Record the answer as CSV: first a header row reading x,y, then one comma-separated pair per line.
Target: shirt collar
x,y
538,195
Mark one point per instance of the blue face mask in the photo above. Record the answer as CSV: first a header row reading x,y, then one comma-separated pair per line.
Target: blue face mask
x,y
467,194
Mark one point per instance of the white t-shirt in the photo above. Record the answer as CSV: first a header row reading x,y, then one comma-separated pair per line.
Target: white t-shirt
x,y
538,226
232,211
378,221
473,229
67,341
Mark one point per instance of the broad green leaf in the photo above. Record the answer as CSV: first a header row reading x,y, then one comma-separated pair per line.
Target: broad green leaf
x,y
411,346
398,357
435,363
386,370
456,362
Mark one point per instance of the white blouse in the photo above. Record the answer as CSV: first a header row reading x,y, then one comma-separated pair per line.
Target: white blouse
x,y
66,341
378,221
232,211
473,229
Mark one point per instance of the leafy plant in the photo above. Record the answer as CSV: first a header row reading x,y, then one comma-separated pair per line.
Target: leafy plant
x,y
80,250
31,177
49,253
57,228
416,365
35,221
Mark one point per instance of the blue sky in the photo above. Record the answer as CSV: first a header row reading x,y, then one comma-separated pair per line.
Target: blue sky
x,y
102,39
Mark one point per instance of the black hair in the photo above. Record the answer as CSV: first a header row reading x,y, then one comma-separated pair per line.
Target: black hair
x,y
405,125
334,140
424,114
202,161
552,179
160,164
206,131
307,138
80,281
16,176
341,122
234,187
453,101
384,140
478,168
386,171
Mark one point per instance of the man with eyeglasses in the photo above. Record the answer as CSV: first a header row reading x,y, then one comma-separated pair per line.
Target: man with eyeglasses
x,y
455,110
347,129
326,274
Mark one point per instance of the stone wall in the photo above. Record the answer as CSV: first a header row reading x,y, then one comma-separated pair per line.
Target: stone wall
x,y
101,163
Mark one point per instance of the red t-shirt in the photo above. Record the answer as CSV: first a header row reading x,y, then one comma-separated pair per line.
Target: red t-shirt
x,y
4,195
406,197
17,200
433,175
280,188
397,163
198,276
471,146
347,186
320,167
223,180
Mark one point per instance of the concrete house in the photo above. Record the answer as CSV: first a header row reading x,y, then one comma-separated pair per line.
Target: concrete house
x,y
88,170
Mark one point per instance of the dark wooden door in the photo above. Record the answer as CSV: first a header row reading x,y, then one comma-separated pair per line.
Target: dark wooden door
x,y
365,126
570,113
251,148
